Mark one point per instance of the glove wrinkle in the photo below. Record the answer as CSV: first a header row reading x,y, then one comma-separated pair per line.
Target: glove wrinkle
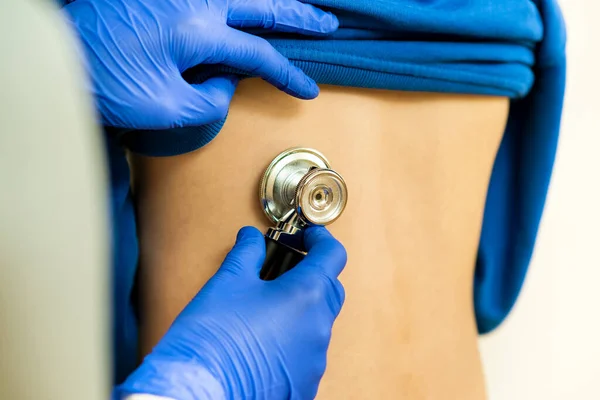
x,y
136,50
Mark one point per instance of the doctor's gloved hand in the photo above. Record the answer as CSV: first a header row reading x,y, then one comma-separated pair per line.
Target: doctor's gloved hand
x,y
135,51
244,338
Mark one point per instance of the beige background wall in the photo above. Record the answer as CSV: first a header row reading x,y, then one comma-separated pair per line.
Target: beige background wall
x,y
550,346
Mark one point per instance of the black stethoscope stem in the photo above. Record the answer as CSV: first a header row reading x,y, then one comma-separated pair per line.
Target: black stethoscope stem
x,y
279,259
298,189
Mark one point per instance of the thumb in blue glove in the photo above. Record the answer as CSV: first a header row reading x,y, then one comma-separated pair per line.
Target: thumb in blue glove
x,y
136,50
244,338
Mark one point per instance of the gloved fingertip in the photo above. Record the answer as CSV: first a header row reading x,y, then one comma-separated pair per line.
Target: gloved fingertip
x,y
315,234
248,233
324,251
311,90
334,24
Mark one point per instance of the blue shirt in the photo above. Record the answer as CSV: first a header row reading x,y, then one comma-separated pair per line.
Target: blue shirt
x,y
513,48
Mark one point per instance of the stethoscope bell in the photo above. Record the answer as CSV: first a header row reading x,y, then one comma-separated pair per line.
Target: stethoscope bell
x,y
321,196
298,189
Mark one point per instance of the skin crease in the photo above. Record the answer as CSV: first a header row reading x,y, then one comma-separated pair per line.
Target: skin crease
x,y
417,166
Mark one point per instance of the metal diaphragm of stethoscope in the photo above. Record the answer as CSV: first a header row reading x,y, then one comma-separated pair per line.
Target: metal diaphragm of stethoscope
x,y
298,189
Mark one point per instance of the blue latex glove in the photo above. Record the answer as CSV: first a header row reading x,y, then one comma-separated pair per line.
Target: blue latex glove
x,y
244,338
136,50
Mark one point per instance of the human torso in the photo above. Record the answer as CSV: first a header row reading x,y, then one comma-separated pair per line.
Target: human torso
x,y
417,168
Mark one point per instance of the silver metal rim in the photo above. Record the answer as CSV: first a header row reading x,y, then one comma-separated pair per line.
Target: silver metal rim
x,y
308,204
279,181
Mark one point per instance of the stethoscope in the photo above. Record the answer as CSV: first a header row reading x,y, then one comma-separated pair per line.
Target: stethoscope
x,y
298,189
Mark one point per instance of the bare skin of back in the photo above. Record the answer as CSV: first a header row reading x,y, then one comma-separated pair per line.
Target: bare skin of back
x,y
417,166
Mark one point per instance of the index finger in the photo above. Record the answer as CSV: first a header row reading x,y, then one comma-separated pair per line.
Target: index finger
x,y
325,252
256,56
282,16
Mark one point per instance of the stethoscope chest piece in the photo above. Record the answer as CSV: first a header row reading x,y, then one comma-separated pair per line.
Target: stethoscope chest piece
x,y
280,180
298,189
